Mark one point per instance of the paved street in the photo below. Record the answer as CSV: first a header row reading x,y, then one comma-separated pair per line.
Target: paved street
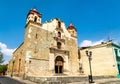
x,y
17,80
8,80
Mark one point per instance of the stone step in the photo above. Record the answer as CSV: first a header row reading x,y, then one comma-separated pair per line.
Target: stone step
x,y
63,79
54,82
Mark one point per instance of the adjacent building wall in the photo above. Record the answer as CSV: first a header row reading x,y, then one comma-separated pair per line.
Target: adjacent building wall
x,y
103,60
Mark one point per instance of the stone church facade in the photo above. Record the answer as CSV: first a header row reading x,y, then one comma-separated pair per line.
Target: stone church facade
x,y
49,49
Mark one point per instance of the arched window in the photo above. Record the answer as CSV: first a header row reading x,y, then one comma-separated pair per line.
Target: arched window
x,y
36,36
59,34
59,24
19,65
58,45
73,32
35,19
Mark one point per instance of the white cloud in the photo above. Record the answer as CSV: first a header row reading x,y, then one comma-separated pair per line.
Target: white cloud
x,y
5,62
86,43
5,50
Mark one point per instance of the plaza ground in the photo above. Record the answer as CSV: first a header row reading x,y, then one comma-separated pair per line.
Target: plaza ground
x,y
14,80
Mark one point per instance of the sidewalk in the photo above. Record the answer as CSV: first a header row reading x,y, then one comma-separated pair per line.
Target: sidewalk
x,y
97,81
21,80
108,81
101,81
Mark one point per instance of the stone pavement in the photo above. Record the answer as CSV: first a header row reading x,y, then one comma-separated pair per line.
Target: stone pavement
x,y
97,81
8,80
21,80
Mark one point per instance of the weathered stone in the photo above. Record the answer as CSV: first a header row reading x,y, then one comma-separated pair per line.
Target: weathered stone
x,y
48,50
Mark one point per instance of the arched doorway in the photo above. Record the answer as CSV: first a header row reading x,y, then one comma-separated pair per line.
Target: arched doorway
x,y
59,62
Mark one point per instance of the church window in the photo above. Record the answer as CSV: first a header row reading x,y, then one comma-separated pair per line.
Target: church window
x,y
35,19
30,61
58,45
59,34
73,32
19,65
59,24
36,36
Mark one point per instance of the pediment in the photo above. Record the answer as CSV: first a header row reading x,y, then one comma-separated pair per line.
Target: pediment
x,y
56,25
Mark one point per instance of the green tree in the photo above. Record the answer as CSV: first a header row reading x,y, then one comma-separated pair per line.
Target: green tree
x,y
1,58
3,68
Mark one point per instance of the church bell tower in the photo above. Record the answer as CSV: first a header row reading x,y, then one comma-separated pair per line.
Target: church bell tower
x,y
34,16
72,30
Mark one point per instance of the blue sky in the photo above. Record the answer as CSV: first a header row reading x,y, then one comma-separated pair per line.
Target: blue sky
x,y
95,20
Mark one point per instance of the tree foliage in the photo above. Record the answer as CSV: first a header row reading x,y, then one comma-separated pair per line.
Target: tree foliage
x,y
1,58
3,68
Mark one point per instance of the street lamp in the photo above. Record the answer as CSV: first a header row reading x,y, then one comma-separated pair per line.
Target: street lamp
x,y
89,55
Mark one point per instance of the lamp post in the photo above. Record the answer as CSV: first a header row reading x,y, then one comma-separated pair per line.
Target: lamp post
x,y
89,55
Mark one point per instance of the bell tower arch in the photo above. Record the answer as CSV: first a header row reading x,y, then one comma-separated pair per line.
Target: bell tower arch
x,y
72,30
34,16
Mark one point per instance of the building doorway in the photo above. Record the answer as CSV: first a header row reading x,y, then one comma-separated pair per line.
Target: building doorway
x,y
59,63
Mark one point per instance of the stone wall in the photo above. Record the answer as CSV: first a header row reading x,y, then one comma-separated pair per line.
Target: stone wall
x,y
72,47
38,41
57,80
36,56
38,67
63,79
16,64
